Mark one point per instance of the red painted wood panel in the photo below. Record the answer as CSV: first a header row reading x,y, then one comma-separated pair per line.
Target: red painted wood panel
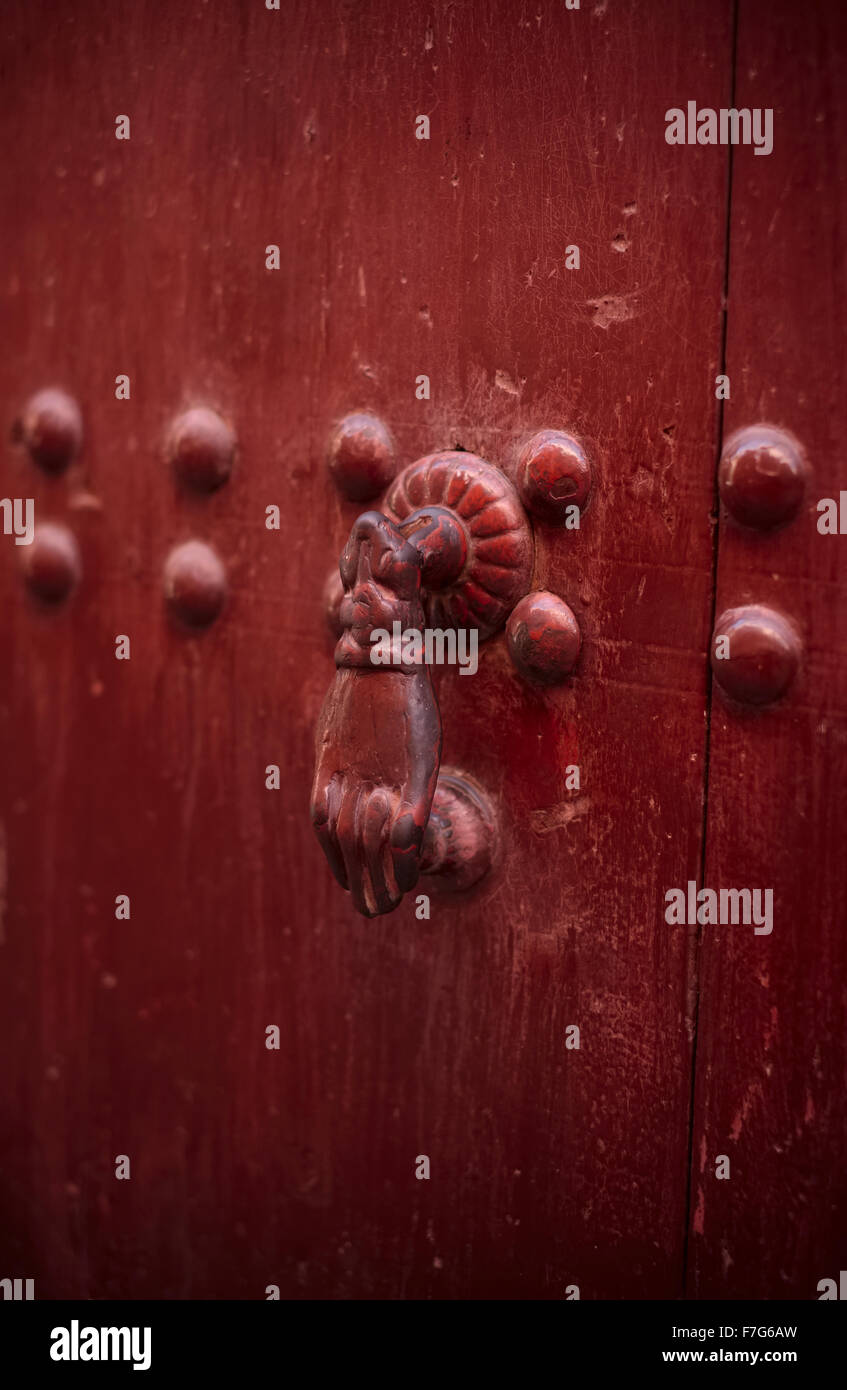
x,y
772,1024
146,777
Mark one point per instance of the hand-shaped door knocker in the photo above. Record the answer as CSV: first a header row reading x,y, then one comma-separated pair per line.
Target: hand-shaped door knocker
x,y
452,549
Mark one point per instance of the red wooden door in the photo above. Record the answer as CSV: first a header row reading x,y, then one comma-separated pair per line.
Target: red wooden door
x,y
771,1030
145,1037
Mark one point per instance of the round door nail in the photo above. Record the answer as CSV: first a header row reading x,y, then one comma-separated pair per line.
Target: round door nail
x,y
51,564
195,583
543,637
51,428
756,653
361,457
553,476
201,448
762,477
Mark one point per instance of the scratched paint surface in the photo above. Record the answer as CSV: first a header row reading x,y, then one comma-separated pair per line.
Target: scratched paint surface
x,y
399,257
772,1032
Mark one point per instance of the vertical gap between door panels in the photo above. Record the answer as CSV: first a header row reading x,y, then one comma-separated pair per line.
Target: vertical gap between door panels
x,y
709,680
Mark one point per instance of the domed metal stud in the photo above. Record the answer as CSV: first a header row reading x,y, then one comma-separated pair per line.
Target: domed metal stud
x,y
201,447
756,653
553,475
762,477
51,565
361,457
543,637
195,584
50,427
